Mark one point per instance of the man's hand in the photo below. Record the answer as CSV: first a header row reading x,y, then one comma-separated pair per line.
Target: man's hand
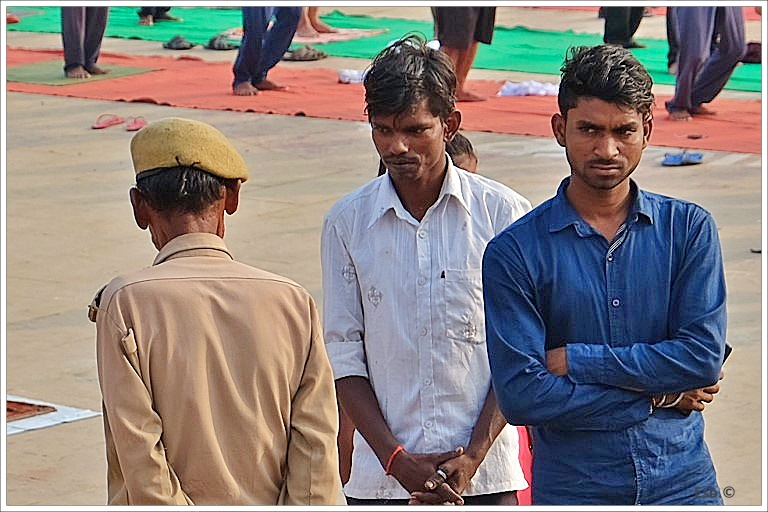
x,y
413,470
694,399
557,361
453,475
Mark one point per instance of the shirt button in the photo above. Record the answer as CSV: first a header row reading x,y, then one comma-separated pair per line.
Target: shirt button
x,y
427,382
424,331
610,258
428,424
421,234
422,280
615,302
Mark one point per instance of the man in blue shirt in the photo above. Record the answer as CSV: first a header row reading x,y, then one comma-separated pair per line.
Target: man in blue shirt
x,y
605,310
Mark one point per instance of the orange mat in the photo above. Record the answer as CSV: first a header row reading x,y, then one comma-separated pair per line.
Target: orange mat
x,y
193,83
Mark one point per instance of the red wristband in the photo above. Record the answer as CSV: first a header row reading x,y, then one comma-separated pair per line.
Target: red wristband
x,y
388,467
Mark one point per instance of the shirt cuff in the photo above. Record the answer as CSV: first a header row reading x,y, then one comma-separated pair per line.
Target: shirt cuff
x,y
347,358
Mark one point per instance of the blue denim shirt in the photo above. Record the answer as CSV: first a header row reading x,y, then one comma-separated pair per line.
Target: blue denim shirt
x,y
640,315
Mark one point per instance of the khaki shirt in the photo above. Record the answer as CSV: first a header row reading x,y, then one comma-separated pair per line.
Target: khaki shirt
x,y
216,386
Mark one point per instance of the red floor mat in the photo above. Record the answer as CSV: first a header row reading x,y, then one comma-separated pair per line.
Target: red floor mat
x,y
194,83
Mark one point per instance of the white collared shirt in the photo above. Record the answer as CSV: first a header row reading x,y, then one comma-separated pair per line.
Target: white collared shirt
x,y
403,307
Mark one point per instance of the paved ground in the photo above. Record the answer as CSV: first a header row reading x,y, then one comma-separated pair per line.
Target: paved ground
x,y
70,229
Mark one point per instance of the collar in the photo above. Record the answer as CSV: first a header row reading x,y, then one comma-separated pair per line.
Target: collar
x,y
455,184
193,243
563,214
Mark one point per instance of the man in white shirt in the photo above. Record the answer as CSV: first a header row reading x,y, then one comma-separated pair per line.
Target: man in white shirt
x,y
404,320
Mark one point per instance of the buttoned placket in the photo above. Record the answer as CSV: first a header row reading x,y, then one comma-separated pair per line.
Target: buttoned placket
x,y
426,236
615,291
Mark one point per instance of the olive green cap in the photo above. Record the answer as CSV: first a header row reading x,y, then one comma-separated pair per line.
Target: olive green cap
x,y
175,142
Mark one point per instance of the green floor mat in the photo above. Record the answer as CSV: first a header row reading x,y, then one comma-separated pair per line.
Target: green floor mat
x,y
513,49
51,72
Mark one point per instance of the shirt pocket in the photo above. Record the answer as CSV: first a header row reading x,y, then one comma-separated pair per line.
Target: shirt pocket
x,y
464,315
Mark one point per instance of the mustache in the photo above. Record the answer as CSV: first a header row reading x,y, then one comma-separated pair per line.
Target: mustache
x,y
400,161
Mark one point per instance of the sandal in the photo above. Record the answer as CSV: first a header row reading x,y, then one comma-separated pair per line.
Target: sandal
x,y
220,42
305,53
684,158
107,120
135,123
178,43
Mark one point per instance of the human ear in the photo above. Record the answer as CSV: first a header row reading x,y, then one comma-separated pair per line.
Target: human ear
x,y
452,124
232,196
139,205
558,128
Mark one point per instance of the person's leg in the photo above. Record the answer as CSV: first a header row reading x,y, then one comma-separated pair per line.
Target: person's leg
x,y
714,74
672,41
276,42
694,28
305,28
616,29
455,29
245,68
314,18
95,25
72,39
635,16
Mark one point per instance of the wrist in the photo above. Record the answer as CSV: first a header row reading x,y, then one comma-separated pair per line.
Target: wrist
x,y
397,451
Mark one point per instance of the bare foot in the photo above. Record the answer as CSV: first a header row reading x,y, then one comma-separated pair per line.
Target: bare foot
x,y
78,72
324,28
469,96
268,85
146,21
245,89
307,32
702,111
679,115
96,70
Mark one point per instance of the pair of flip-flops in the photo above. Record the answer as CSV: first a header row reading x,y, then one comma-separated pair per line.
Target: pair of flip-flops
x,y
684,158
132,124
305,53
178,43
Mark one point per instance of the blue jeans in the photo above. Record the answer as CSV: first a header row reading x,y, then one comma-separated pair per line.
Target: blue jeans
x,y
260,48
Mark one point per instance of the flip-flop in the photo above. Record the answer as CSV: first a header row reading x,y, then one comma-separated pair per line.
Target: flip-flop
x,y
107,120
305,53
135,123
220,42
684,158
178,43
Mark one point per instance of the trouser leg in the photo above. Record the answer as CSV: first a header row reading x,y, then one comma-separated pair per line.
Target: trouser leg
x,y
671,37
95,26
695,26
616,25
255,21
634,17
714,74
278,39
72,36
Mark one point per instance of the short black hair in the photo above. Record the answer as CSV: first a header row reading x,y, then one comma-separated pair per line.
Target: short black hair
x,y
607,72
407,72
180,189
460,145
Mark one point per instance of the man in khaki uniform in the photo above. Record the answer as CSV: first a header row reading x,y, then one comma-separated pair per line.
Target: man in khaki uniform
x,y
216,386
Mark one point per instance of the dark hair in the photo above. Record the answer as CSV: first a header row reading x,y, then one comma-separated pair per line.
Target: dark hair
x,y
460,145
405,73
180,189
607,72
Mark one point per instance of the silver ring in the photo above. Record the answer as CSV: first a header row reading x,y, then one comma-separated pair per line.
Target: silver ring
x,y
441,473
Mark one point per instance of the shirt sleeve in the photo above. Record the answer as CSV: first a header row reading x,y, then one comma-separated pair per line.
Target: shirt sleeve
x,y
342,306
139,471
528,394
312,468
692,358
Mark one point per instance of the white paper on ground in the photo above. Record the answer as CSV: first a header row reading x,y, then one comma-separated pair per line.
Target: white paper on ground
x,y
62,414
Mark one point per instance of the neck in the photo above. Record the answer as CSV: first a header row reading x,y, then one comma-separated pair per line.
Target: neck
x,y
417,196
166,228
604,210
